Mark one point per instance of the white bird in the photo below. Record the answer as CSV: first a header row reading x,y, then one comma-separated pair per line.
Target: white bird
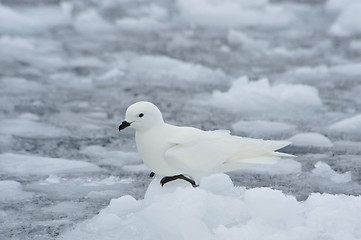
x,y
183,152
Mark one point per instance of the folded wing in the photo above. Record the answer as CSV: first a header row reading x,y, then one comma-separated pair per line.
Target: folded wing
x,y
204,152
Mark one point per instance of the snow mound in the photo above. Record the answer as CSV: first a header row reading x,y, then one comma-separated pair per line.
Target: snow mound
x,y
350,126
310,139
234,13
260,128
325,171
261,96
348,22
162,68
13,191
32,165
218,210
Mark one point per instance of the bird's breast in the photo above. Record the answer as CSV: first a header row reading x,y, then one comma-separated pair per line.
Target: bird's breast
x,y
151,147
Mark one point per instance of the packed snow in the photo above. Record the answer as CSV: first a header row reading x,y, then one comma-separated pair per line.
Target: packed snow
x,y
280,70
218,210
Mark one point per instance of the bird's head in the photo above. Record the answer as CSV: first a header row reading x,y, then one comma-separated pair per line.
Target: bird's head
x,y
142,116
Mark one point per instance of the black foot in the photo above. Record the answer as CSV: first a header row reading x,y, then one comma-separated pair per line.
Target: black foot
x,y
180,176
151,174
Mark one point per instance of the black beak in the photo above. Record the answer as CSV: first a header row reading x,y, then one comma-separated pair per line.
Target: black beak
x,y
124,124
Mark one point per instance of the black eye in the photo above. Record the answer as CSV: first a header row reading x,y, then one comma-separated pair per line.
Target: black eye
x,y
141,115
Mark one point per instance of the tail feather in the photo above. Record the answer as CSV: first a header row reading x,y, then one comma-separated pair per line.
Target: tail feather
x,y
269,156
281,154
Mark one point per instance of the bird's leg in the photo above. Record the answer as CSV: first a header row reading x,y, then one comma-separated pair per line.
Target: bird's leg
x,y
151,174
180,176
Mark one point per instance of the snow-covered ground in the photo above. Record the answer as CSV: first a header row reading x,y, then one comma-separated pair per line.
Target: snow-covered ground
x,y
264,69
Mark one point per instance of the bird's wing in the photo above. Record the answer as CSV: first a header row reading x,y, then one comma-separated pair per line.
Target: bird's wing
x,y
194,149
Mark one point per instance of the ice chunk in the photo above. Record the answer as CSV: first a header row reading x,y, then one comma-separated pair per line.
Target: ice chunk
x,y
32,20
348,22
240,38
93,186
89,62
352,69
70,81
147,18
28,125
136,168
139,24
5,142
162,68
32,165
351,147
19,86
337,6
350,126
260,128
90,21
35,54
309,73
233,13
113,73
67,208
114,158
260,96
180,211
355,45
103,194
310,139
13,191
323,170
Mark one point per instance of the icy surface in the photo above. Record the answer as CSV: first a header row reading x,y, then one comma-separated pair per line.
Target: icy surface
x,y
264,69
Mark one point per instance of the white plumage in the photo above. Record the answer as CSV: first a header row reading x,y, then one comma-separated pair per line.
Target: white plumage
x,y
169,150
